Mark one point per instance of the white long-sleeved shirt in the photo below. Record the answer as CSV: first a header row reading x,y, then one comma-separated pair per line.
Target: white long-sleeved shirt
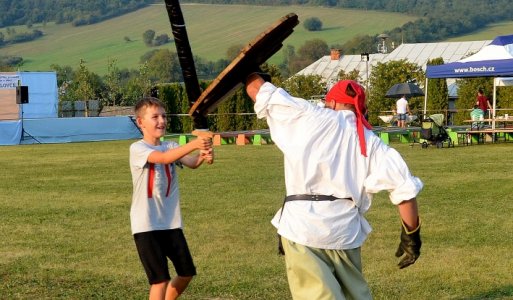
x,y
322,156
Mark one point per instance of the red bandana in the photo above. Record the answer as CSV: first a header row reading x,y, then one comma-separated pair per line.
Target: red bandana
x,y
338,94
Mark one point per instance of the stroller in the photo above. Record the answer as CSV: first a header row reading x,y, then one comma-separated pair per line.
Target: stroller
x,y
433,132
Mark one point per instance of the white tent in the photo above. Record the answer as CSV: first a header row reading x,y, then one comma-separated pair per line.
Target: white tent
x,y
494,60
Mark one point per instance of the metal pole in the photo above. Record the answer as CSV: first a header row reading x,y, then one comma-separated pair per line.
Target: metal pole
x,y
367,71
425,98
494,102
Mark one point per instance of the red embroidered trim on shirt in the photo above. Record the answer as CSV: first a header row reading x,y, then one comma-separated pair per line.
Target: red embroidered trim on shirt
x,y
151,179
168,174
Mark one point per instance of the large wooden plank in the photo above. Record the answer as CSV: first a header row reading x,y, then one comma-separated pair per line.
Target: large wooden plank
x,y
251,56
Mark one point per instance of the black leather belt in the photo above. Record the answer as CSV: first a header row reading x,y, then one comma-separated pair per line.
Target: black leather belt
x,y
306,197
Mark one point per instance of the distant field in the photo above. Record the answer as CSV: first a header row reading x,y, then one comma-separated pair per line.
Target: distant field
x,y
212,29
487,33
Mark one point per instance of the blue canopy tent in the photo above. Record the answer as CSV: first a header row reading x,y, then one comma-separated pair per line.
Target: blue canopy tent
x,y
494,60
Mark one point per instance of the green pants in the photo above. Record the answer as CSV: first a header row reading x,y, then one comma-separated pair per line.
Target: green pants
x,y
320,274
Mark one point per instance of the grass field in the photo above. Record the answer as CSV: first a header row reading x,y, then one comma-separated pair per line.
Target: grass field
x,y
65,233
487,33
212,29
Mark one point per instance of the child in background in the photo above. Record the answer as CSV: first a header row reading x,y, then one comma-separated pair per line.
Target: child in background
x,y
476,114
155,216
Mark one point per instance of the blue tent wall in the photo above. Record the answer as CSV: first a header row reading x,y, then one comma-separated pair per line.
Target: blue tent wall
x,y
66,130
43,94
42,125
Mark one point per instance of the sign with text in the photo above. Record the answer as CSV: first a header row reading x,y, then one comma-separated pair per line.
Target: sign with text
x,y
9,82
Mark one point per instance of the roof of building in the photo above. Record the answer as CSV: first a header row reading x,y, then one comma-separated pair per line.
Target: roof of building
x,y
329,66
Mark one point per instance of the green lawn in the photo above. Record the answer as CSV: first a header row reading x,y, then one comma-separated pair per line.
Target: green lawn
x,y
65,233
487,33
212,29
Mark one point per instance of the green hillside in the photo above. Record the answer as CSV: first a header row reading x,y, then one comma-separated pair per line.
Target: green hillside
x,y
211,28
487,33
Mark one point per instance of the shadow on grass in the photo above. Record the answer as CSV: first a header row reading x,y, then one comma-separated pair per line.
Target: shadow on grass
x,y
506,292
332,28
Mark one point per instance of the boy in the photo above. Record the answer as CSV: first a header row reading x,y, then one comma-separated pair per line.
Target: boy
x,y
476,114
155,212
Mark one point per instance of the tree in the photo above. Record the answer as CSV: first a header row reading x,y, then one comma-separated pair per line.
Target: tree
x,y
137,87
225,120
233,51
305,86
312,24
313,49
163,66
6,68
64,78
383,77
467,95
309,52
359,44
289,55
504,99
438,94
161,40
175,100
10,62
243,104
148,37
112,81
83,83
352,75
274,72
147,56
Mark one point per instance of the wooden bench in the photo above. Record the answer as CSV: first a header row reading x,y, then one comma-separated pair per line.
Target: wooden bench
x,y
505,133
239,138
218,139
224,138
253,138
404,135
481,136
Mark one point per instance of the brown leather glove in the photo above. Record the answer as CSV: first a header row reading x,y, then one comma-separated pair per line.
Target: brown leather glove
x,y
409,246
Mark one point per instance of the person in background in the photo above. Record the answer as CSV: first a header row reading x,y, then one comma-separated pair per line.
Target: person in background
x,y
403,110
477,114
333,164
483,102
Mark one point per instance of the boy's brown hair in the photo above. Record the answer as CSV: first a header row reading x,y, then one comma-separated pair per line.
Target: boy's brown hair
x,y
145,102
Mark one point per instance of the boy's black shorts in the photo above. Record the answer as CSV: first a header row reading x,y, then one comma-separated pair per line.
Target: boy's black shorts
x,y
154,247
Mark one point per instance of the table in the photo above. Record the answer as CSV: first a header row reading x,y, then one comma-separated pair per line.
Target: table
x,y
391,119
501,120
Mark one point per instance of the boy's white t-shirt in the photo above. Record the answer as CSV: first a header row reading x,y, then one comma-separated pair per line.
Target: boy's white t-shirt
x,y
161,211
